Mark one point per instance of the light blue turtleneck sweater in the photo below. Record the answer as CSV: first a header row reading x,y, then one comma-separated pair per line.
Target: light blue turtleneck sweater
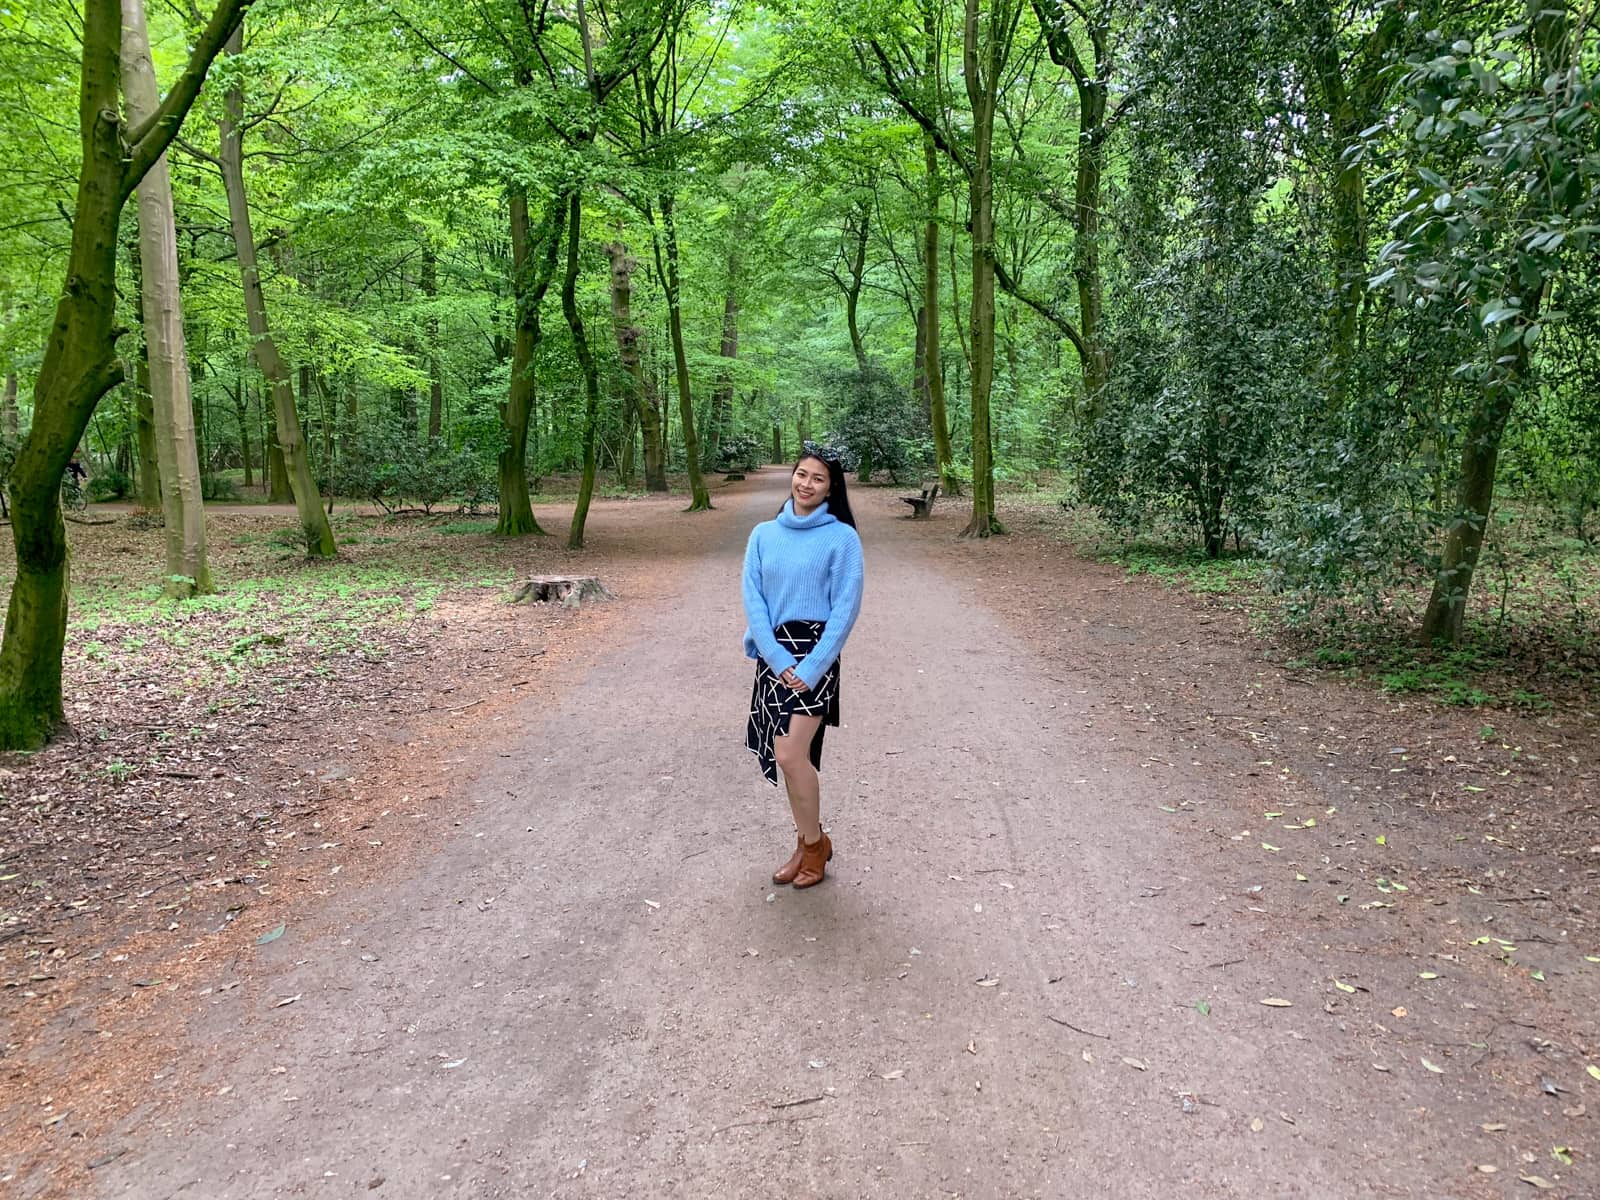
x,y
801,569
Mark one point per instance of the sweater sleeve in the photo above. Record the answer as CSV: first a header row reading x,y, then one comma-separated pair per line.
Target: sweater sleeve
x,y
844,606
758,619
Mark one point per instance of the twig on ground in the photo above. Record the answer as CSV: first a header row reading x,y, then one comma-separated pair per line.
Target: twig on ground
x,y
1104,1037
796,1103
765,1121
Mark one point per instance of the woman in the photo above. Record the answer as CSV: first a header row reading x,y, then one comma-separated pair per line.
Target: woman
x,y
802,591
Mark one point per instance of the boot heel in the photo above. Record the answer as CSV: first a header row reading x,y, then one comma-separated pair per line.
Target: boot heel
x,y
814,858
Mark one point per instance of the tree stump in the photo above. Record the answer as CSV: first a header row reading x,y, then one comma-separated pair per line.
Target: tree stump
x,y
570,591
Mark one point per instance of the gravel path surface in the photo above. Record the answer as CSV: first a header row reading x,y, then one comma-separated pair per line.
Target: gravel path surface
x,y
1018,979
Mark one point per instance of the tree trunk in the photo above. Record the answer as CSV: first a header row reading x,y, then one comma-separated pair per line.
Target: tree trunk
x,y
1086,246
983,58
722,393
9,421
430,289
653,432
79,364
241,406
630,352
182,506
1352,95
327,419
932,366
410,414
700,496
290,439
1480,450
277,470
591,376
530,280
777,441
1480,453
919,359
197,414
1093,82
144,423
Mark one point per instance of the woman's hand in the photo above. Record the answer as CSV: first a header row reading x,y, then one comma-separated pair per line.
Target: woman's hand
x,y
793,680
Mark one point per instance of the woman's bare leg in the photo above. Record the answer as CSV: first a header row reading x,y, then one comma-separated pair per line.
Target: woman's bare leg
x,y
799,776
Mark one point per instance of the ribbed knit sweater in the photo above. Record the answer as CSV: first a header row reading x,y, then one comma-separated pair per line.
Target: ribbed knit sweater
x,y
801,569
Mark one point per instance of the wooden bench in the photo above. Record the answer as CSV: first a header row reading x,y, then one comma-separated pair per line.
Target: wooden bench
x,y
922,506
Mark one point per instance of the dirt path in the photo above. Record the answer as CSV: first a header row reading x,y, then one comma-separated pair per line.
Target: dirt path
x,y
1022,977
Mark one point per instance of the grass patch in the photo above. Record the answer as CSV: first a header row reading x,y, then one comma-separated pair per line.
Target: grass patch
x,y
457,528
1188,568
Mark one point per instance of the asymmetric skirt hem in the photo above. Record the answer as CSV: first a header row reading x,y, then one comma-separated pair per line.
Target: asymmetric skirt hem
x,y
773,702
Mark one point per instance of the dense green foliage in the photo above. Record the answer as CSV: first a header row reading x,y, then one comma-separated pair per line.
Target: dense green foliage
x,y
1311,280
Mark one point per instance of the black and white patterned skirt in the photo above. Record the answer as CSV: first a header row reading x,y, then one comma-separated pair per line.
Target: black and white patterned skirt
x,y
773,702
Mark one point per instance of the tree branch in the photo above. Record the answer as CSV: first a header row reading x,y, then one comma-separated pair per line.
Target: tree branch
x,y
1067,328
897,94
1058,40
150,139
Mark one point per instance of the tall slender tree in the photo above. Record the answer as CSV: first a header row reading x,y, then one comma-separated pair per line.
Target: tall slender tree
x,y
290,437
177,451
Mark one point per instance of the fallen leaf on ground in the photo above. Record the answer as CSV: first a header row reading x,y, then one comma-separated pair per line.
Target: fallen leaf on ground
x,y
271,935
1278,1002
1343,986
895,1074
1538,1181
1257,1125
1497,1127
653,904
1399,1012
1136,1064
1437,1070
288,1000
991,981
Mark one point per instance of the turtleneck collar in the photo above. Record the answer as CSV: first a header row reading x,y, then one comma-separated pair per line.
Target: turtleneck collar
x,y
818,516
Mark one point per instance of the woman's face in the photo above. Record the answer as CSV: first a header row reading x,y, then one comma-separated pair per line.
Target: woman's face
x,y
810,484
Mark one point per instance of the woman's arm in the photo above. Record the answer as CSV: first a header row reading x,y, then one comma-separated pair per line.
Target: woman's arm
x,y
848,581
757,617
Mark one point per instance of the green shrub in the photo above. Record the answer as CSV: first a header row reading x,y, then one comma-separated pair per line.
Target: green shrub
x,y
110,484
217,486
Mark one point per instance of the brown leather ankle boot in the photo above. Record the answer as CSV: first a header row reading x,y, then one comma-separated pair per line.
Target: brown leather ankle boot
x,y
787,872
814,857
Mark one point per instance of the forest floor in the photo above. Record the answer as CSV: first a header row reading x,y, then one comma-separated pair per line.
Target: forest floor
x,y
358,879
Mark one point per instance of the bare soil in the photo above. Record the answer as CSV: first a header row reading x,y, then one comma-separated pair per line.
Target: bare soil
x,y
1120,907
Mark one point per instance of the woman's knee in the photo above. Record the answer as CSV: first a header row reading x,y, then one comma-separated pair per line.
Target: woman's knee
x,y
792,753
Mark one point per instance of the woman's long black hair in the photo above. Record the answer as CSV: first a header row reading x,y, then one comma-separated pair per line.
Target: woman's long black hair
x,y
838,495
